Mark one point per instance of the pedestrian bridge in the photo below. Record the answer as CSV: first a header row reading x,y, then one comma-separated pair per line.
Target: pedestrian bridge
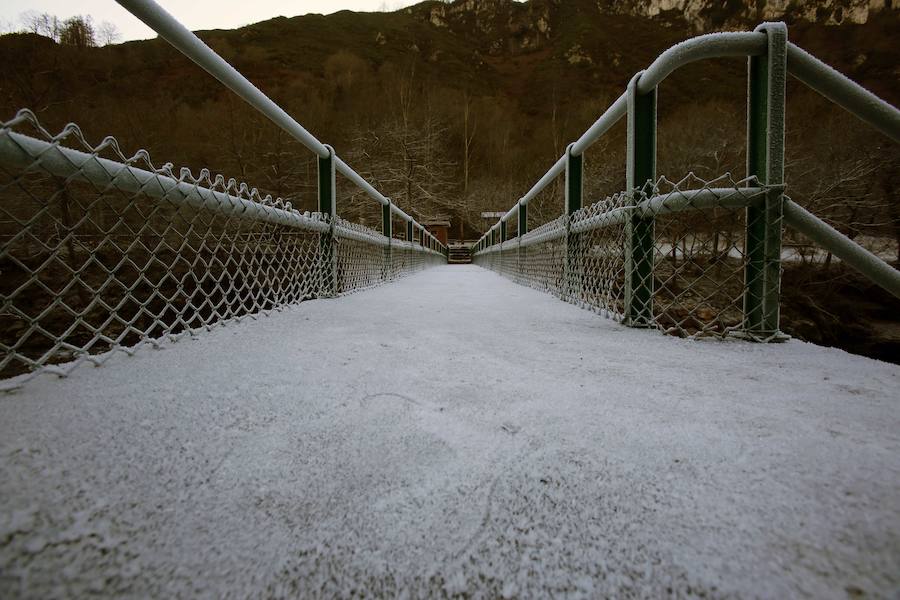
x,y
454,432
517,427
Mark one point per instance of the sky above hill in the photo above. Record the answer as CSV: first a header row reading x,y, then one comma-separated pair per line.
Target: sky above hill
x,y
197,14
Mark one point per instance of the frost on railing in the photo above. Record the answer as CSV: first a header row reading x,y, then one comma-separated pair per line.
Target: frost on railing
x,y
100,251
543,269
682,242
361,254
365,258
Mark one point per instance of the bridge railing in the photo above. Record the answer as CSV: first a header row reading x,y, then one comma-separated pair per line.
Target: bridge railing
x,y
691,257
101,252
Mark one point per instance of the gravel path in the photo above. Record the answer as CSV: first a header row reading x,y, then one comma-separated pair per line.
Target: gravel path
x,y
454,433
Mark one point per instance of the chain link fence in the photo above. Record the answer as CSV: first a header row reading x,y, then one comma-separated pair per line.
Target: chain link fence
x,y
102,252
671,256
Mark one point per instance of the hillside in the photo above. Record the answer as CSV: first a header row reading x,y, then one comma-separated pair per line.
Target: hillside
x,y
536,75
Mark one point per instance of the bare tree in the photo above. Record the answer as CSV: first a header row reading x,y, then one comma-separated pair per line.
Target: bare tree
x,y
470,126
405,150
410,163
7,26
108,33
43,24
78,31
838,174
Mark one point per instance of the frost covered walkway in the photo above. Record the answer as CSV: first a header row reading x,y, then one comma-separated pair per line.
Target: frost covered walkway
x,y
448,432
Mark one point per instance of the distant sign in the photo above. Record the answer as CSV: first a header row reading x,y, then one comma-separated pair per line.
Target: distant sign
x,y
492,215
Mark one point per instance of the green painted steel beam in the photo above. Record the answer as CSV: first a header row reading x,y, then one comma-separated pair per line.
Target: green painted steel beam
x,y
574,180
640,177
327,185
574,191
523,219
386,225
387,231
766,76
521,251
328,206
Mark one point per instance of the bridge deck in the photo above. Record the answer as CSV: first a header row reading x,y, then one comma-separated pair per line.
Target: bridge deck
x,y
454,431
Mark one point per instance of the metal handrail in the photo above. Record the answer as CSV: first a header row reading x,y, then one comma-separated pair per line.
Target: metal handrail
x,y
185,41
702,47
825,80
711,45
843,91
21,150
842,247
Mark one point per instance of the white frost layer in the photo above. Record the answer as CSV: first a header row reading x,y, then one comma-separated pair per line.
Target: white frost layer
x,y
454,432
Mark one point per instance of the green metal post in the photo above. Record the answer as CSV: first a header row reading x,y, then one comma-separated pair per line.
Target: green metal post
x,y
574,193
387,231
639,231
409,231
328,207
523,229
502,253
766,77
523,218
574,181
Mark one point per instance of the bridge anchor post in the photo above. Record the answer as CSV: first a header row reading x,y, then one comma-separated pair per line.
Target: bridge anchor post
x,y
766,78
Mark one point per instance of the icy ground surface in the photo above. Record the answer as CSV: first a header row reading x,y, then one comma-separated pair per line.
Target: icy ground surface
x,y
454,433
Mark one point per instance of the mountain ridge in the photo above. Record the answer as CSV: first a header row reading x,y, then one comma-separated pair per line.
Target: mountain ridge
x,y
547,66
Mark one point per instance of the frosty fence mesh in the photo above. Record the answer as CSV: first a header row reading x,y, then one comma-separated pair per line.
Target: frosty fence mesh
x,y
366,258
102,252
671,256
